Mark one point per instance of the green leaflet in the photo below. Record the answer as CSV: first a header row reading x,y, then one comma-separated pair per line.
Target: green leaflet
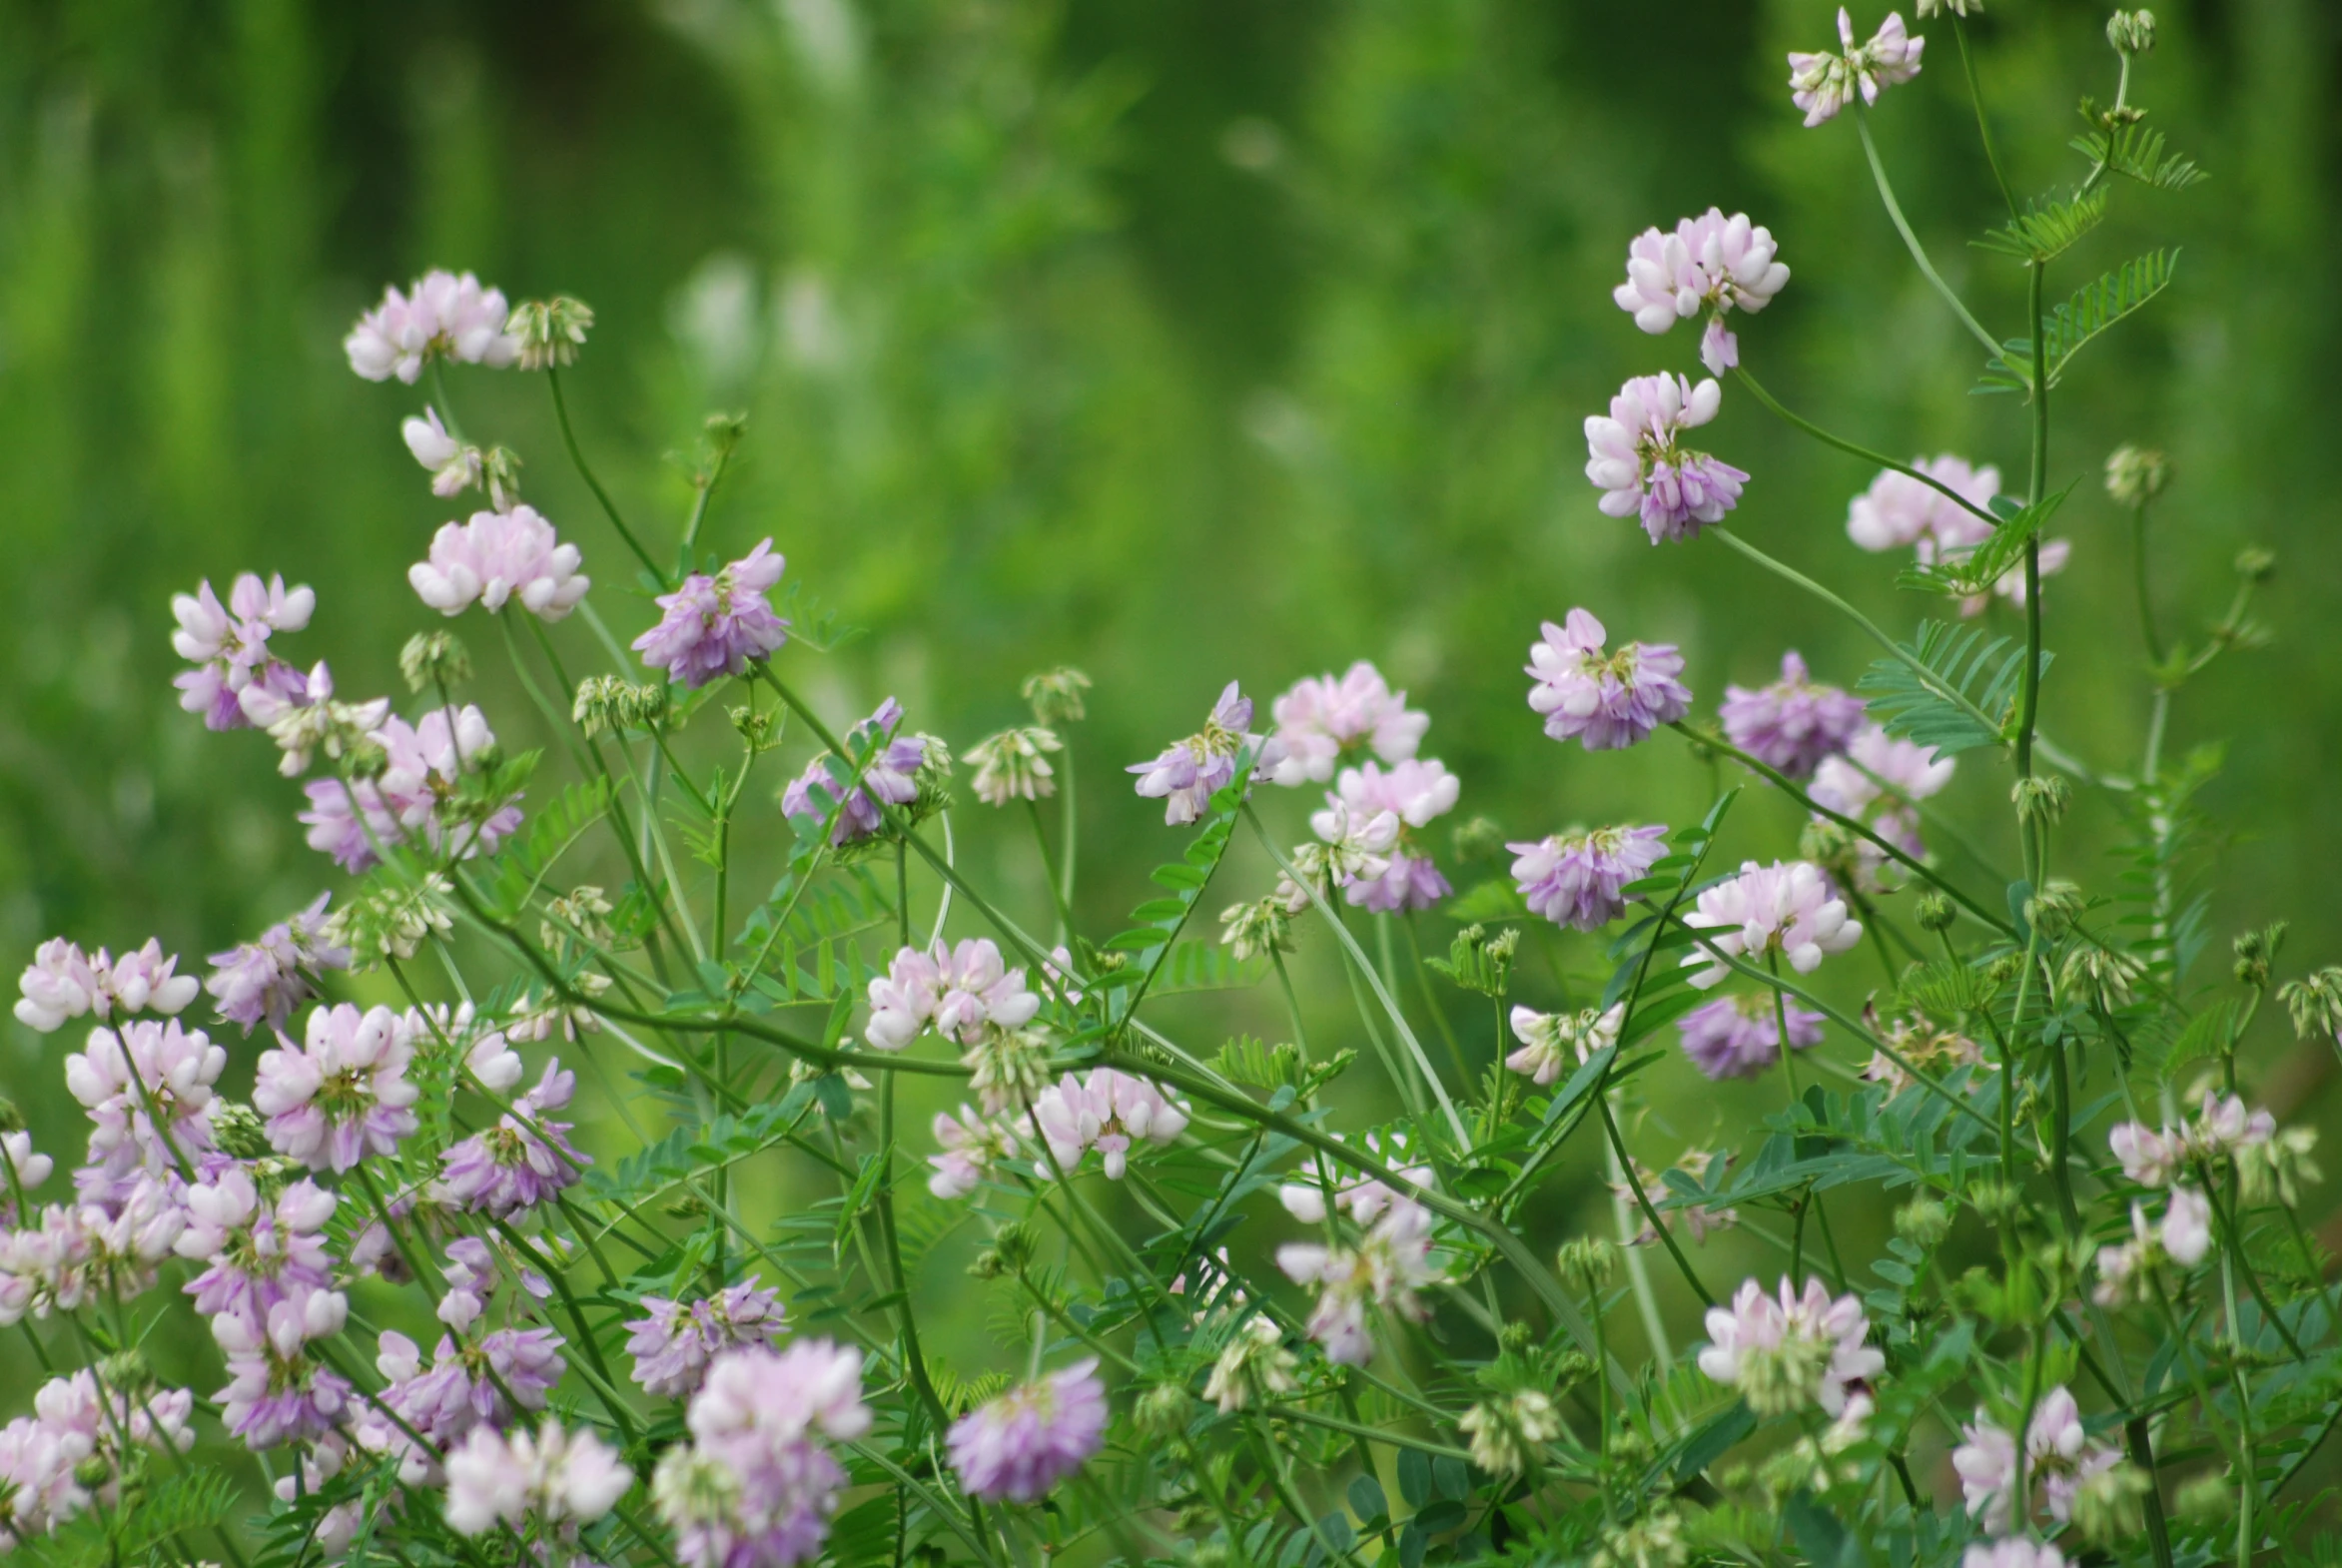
x,y
2092,311
2047,227
1959,661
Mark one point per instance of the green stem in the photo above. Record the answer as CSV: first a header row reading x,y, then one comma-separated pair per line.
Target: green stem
x,y
2029,692
1911,240
1977,96
609,508
1854,450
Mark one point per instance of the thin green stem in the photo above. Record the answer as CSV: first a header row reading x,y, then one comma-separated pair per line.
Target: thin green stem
x,y
585,473
1854,450
1911,240
1977,96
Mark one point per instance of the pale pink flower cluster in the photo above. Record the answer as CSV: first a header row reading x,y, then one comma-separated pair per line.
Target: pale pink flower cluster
x,y
1551,1042
342,1094
2184,1236
68,1454
971,1145
229,646
1321,721
277,1391
62,981
1386,1269
1822,83
441,313
756,1485
1786,908
125,1078
1412,793
507,1478
1878,781
1637,459
455,465
1899,513
423,765
496,557
107,1245
1108,1110
1606,700
1788,1351
2221,1127
1022,1443
1362,1197
2059,1456
1710,263
960,991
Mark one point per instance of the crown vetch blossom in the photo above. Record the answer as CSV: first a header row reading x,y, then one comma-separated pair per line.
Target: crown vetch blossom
x,y
441,313
1189,772
1637,459
1578,879
2183,1238
1710,263
125,1077
556,1476
1387,1269
500,556
1737,1035
891,775
1822,83
962,992
1551,1042
1252,1368
1879,781
970,1147
276,1392
714,626
1607,701
228,645
258,1253
1785,1353
673,1345
1107,1111
1320,720
757,1484
1793,723
1023,1442
342,1094
70,1452
454,465
1783,907
1415,792
1013,765
62,981
2059,1456
2221,1129
265,980
424,765
467,1383
523,1159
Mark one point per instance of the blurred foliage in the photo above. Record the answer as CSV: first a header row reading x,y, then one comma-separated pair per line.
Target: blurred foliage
x,y
1177,341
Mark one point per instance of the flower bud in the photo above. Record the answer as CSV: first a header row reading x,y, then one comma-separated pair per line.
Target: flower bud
x,y
2131,32
238,1130
1161,1411
2044,798
550,330
126,1373
1478,838
1922,1222
1588,1258
1056,695
2053,911
2135,475
2255,565
1935,913
11,1119
93,1472
434,659
2315,1003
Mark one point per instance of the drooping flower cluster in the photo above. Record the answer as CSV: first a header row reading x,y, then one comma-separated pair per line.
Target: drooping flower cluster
x,y
1785,907
498,557
2060,1457
1189,772
830,791
1321,721
1710,263
756,1485
674,1346
1108,1110
415,796
1579,879
257,1252
1551,1042
1386,1269
714,626
441,315
277,1390
1605,700
1021,1444
1637,459
229,646
62,981
1823,83
1411,794
1738,1036
1901,512
1793,1351
1793,723
265,980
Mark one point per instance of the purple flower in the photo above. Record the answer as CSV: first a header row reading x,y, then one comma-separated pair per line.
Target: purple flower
x,y
757,1484
260,1253
891,775
674,1344
62,981
1737,1035
1785,1354
125,1078
714,626
1793,723
1608,701
499,557
1710,263
1321,719
468,1381
424,765
1189,772
1417,792
1822,84
1577,879
342,1094
1785,907
1022,1443
523,1159
1108,1110
1635,457
267,979
228,645
441,313
276,1392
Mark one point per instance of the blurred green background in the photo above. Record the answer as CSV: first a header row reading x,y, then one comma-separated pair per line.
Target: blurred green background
x,y
1179,340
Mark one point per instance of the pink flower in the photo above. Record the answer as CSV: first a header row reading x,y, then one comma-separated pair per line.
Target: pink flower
x,y
1579,879
714,626
1793,723
342,1094
228,645
259,1253
1783,908
1321,721
424,763
1108,1110
1189,772
1897,512
125,1078
1022,1443
555,1476
276,1392
1551,1042
756,1486
960,992
267,979
1607,701
499,557
1417,792
64,983
1710,263
2059,1456
1877,781
456,467
674,1344
970,1147
1785,1353
441,313
1635,457
1387,1269
1822,84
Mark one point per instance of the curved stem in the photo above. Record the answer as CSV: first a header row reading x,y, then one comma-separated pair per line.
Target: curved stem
x,y
1976,95
1911,240
2030,693
1857,449
609,508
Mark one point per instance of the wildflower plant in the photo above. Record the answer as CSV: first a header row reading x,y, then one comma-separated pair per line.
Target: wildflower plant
x,y
466,1099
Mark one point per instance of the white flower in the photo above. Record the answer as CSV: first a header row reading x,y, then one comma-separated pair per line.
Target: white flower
x,y
1108,1110
503,1477
1552,1041
1786,1352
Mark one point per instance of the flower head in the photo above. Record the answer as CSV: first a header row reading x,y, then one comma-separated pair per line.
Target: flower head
x,y
258,1253
1606,700
441,313
1822,84
1579,879
2060,1457
715,625
266,980
1635,457
342,1094
1786,1352
1387,1269
1783,908
1108,1110
555,1476
1014,765
829,791
1021,1444
228,645
1414,792
523,1159
756,1485
1739,1037
1189,772
1793,723
673,1345
128,1077
1323,720
275,1392
500,556
62,981
416,794
970,1147
1710,263
1551,1042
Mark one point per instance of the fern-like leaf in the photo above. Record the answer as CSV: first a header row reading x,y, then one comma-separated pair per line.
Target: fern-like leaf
x,y
1967,573
2092,311
2136,153
2047,227
1959,695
